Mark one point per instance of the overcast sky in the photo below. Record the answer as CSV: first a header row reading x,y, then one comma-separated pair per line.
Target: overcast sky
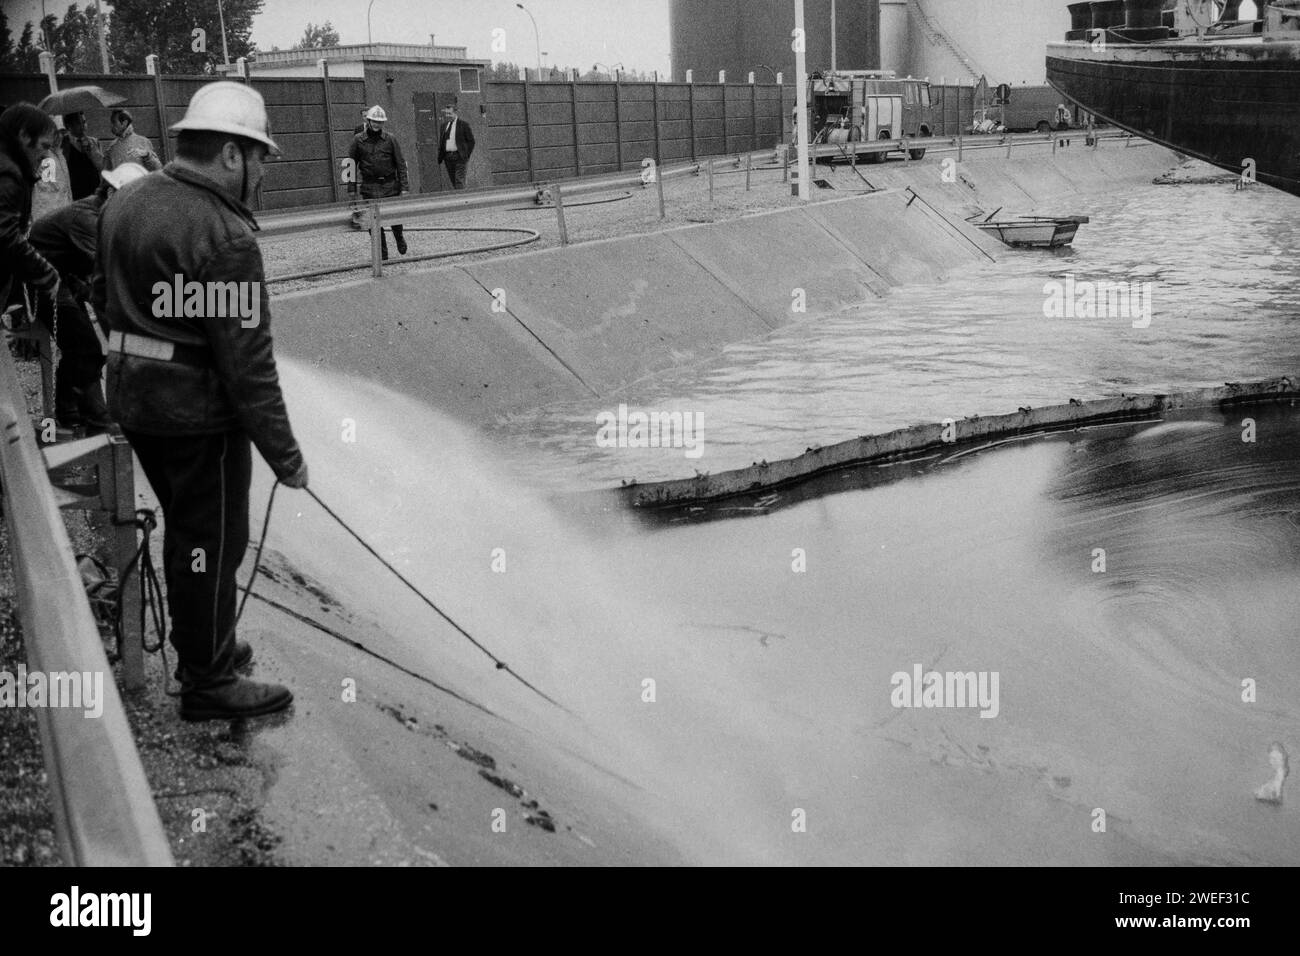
x,y
573,32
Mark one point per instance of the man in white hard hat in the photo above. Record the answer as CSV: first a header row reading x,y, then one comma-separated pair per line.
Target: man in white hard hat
x,y
68,238
381,171
193,392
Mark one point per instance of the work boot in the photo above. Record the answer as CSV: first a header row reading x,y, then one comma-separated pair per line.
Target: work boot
x,y
93,408
67,403
383,244
242,657
233,698
401,240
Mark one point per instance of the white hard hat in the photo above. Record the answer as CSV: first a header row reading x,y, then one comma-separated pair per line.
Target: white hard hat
x,y
121,175
228,107
376,114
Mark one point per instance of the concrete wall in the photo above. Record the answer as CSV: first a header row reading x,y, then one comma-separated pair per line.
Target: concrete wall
x,y
541,131
590,318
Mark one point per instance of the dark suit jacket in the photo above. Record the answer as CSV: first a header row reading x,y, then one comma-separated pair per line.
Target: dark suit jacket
x,y
464,140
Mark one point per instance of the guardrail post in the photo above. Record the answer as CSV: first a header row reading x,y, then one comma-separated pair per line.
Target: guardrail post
x,y
559,212
122,492
376,240
659,186
749,163
710,179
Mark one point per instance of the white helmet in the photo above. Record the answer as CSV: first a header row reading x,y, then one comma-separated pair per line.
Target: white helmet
x,y
376,114
121,175
228,107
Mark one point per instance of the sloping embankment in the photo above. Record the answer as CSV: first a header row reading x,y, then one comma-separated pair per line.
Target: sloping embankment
x,y
490,338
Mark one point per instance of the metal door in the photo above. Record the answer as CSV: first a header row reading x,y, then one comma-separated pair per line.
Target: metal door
x,y
427,129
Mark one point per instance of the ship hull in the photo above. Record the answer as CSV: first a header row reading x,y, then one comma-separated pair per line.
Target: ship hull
x,y
1233,104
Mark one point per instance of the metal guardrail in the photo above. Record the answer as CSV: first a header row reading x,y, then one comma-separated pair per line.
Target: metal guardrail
x,y
340,214
104,812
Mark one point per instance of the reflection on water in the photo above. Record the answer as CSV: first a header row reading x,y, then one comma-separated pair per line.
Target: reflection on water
x,y
1225,307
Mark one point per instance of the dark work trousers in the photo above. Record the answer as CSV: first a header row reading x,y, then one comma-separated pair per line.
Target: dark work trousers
x,y
456,167
81,358
202,484
379,191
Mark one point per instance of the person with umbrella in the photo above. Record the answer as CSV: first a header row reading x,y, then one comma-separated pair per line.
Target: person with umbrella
x,y
79,161
83,154
67,238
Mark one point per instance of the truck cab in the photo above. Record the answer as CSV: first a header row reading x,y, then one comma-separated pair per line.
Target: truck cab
x,y
849,106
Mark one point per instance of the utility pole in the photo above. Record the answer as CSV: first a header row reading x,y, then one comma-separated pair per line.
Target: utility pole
x,y
801,98
103,40
834,45
225,53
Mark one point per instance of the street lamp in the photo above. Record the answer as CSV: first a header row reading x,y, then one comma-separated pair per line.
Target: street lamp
x,y
609,70
536,36
369,38
764,66
225,52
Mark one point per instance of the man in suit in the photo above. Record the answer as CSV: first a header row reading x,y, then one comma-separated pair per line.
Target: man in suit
x,y
455,144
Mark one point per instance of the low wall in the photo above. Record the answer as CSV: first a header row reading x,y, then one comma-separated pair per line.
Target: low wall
x,y
490,338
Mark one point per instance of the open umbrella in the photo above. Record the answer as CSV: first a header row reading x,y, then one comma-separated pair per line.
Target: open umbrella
x,y
77,99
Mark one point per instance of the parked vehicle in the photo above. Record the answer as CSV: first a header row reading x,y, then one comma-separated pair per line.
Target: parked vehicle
x,y
852,106
1036,108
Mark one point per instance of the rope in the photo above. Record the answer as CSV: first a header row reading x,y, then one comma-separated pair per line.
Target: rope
x,y
500,664
257,559
151,594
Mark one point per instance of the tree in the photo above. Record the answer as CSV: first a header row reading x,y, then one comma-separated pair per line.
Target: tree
x,y
8,59
318,37
166,27
27,54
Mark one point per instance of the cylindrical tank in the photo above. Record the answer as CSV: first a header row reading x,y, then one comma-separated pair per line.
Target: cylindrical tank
x,y
895,50
743,35
1142,14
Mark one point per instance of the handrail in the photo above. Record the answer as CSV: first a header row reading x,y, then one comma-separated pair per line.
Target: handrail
x,y
339,214
104,812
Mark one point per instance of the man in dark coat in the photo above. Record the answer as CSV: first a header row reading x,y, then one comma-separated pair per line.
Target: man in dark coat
x,y
193,392
67,238
27,135
84,156
455,144
380,168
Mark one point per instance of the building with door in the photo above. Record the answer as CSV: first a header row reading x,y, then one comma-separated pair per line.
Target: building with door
x,y
412,83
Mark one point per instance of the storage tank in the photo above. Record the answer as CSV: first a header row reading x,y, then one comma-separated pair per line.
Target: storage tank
x,y
1004,40
895,44
743,35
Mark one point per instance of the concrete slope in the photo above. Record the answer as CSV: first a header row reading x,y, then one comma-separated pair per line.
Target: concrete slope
x,y
513,334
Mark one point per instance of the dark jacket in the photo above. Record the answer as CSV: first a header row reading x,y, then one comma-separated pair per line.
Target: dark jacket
x,y
464,140
83,168
67,239
379,162
181,223
19,261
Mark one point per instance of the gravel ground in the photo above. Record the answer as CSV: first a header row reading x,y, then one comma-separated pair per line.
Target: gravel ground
x,y
188,765
686,200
